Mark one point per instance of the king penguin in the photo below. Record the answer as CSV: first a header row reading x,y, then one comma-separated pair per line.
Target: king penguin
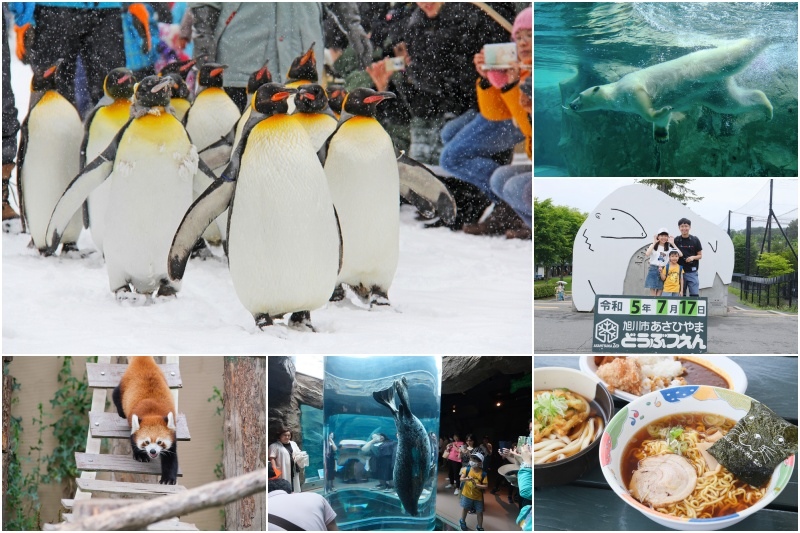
x,y
100,127
367,175
212,115
181,99
314,114
154,163
302,71
48,159
283,239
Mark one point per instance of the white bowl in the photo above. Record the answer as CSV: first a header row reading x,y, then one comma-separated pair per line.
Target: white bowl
x,y
688,399
724,366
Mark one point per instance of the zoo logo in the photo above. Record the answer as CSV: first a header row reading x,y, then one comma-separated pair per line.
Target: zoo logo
x,y
606,331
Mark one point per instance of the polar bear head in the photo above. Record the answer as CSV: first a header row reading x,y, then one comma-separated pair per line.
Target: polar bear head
x,y
596,97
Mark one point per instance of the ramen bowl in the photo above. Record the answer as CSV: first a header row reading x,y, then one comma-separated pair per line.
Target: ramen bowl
x,y
674,401
569,469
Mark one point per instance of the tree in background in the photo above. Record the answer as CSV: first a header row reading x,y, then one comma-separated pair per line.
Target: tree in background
x,y
675,188
554,231
772,265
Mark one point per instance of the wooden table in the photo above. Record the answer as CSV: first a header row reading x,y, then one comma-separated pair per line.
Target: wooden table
x,y
589,503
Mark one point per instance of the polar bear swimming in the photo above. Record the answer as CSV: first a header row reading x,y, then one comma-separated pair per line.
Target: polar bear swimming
x,y
703,77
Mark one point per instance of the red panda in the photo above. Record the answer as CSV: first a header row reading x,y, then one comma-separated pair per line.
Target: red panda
x,y
143,397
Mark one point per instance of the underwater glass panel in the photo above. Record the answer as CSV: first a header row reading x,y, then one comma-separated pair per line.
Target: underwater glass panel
x,y
383,415
311,420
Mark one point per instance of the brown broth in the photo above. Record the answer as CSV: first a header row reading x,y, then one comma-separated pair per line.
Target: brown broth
x,y
630,463
697,374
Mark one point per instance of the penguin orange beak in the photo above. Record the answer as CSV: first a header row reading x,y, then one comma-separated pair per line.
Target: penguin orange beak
x,y
379,97
217,71
189,64
283,95
308,55
123,79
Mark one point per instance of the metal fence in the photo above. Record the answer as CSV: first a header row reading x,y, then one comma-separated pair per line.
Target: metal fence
x,y
778,291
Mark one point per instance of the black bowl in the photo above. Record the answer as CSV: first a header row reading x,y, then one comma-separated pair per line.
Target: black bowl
x,y
571,468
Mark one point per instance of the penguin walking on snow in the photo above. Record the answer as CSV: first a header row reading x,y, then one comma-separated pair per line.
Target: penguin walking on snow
x,y
210,118
367,175
181,99
283,240
153,162
100,127
48,159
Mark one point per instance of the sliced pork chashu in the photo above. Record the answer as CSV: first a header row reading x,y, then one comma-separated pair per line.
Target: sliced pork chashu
x,y
663,479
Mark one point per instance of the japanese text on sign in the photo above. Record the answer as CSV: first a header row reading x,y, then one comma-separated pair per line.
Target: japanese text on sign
x,y
625,324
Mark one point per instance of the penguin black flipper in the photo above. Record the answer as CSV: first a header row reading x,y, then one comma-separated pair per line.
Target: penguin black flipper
x,y
199,216
218,154
423,189
23,148
82,164
79,189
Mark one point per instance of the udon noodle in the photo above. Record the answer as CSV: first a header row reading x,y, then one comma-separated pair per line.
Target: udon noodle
x,y
563,426
717,492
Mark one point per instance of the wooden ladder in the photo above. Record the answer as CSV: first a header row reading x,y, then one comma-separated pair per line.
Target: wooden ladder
x,y
104,376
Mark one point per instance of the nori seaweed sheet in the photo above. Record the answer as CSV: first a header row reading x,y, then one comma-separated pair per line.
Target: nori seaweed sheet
x,y
756,445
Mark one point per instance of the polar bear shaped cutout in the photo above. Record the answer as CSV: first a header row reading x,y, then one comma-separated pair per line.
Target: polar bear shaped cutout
x,y
624,222
703,77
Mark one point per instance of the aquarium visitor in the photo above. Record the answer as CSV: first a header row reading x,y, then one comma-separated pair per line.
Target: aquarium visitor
x,y
330,463
692,252
464,452
672,276
485,447
454,462
525,481
299,511
284,455
383,449
10,126
473,483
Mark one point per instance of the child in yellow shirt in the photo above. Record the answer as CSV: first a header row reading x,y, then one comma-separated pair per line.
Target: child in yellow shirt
x,y
672,275
474,482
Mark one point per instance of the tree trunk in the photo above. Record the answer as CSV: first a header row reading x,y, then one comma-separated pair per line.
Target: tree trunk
x,y
245,447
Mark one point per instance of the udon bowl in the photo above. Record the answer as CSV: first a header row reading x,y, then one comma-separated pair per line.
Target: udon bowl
x,y
676,400
571,468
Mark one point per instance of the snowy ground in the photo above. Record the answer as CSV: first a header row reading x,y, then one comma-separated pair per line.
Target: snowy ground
x,y
453,294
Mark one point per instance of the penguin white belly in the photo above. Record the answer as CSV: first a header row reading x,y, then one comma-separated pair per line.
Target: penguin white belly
x,y
364,181
283,246
151,191
211,117
52,158
318,126
102,131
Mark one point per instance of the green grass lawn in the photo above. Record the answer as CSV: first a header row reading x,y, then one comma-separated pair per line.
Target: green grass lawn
x,y
552,281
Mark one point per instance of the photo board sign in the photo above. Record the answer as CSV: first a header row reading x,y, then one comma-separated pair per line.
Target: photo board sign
x,y
650,325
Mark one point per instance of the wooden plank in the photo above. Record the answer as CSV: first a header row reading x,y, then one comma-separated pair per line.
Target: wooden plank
x,y
119,487
111,425
67,504
107,375
93,444
117,463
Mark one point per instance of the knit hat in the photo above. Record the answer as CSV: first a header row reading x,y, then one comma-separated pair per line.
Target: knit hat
x,y
524,21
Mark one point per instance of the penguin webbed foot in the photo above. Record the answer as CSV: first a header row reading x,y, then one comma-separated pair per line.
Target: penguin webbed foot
x,y
301,320
378,297
338,294
263,321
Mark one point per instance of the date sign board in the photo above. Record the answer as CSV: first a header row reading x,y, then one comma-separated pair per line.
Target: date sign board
x,y
650,324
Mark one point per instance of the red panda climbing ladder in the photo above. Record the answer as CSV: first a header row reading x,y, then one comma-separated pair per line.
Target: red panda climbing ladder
x,y
103,376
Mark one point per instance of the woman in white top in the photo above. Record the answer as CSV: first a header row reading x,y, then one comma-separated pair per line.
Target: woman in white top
x,y
658,252
284,455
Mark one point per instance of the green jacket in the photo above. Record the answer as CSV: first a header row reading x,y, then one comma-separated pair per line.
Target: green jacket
x,y
243,35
